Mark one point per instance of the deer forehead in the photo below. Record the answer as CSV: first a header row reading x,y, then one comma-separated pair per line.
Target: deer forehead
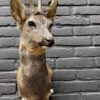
x,y
39,19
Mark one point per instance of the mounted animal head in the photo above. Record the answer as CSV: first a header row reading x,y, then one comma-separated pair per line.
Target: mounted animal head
x,y
36,27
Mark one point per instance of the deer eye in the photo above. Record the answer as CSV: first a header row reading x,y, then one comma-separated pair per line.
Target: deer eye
x,y
31,23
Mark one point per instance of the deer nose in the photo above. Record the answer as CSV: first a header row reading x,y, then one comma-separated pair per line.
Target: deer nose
x,y
50,42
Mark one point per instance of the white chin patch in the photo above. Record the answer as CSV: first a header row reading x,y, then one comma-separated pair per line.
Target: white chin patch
x,y
44,47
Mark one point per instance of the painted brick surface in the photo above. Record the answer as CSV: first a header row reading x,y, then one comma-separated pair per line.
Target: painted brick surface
x,y
75,58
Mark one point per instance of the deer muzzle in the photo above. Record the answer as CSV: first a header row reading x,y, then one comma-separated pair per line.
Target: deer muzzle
x,y
49,42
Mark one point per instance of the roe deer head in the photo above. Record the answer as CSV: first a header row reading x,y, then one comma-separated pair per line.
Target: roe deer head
x,y
34,75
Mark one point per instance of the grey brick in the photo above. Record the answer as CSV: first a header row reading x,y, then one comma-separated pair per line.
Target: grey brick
x,y
94,2
82,31
4,11
87,51
68,20
89,10
17,63
75,86
17,42
66,97
9,53
91,96
6,65
4,2
95,19
88,74
7,89
74,63
7,77
51,63
9,98
95,30
98,84
86,30
6,21
63,31
64,75
7,42
9,31
97,61
63,11
96,40
60,52
72,2
73,41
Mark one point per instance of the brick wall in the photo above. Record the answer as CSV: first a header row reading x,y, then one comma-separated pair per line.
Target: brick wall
x,y
75,58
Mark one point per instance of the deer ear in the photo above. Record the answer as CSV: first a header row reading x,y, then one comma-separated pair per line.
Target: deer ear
x,y
17,10
51,9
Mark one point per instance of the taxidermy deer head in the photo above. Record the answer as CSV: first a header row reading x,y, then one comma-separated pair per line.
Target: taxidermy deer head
x,y
35,37
36,27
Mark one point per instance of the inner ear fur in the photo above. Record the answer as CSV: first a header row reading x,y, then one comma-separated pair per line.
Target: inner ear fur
x,y
50,11
17,9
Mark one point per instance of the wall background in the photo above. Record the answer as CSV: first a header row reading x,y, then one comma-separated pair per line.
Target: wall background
x,y
75,58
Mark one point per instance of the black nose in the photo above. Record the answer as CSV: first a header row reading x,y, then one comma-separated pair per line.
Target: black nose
x,y
50,42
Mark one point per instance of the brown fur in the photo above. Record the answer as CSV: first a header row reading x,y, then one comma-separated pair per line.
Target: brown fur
x,y
34,78
34,75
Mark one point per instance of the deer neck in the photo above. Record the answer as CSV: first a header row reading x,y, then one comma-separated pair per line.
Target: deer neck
x,y
31,62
